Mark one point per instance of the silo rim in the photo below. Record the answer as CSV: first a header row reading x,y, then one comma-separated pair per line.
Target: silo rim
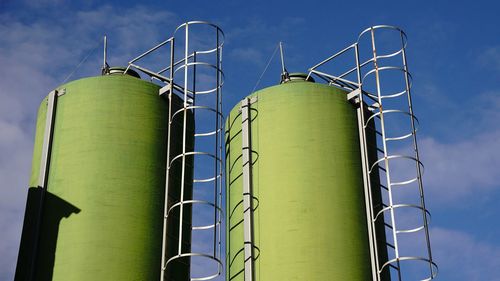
x,y
298,77
120,70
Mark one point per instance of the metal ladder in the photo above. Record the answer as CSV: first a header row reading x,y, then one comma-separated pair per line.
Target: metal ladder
x,y
201,111
376,108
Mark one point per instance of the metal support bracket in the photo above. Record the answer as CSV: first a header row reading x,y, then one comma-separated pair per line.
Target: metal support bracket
x,y
247,188
165,90
61,92
354,96
250,101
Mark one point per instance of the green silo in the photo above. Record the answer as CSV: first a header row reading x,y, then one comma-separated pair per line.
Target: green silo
x,y
309,219
102,211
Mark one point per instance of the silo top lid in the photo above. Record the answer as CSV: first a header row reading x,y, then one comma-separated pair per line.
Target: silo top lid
x,y
298,77
121,70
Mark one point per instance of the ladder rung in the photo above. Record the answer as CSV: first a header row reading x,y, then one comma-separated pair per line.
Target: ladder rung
x,y
372,129
393,266
376,147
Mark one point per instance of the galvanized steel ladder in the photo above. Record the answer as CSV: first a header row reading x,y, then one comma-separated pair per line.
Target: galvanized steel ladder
x,y
196,78
376,109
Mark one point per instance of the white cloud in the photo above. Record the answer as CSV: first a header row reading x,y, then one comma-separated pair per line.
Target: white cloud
x,y
44,3
15,147
453,171
457,170
248,54
464,161
36,56
490,58
41,53
461,256
254,36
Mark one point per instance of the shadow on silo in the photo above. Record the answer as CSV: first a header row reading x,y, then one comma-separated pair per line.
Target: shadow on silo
x,y
42,230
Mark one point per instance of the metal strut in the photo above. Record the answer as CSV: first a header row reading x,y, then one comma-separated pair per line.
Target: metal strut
x,y
284,73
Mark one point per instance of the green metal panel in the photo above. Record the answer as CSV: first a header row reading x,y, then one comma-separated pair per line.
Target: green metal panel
x,y
309,218
103,210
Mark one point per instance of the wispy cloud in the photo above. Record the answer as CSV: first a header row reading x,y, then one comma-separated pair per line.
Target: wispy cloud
x,y
43,3
15,146
252,55
457,170
468,162
490,58
461,256
255,35
39,54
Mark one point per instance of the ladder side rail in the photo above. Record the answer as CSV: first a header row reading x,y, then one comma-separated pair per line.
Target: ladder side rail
x,y
219,171
184,140
372,236
417,157
386,160
167,174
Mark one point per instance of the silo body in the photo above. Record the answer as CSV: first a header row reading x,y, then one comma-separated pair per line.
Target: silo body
x,y
102,215
309,220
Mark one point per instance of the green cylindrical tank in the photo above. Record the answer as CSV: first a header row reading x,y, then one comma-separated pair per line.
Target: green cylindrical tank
x,y
102,216
309,220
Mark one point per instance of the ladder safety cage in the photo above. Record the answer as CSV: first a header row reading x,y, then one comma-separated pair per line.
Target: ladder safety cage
x,y
195,62
386,114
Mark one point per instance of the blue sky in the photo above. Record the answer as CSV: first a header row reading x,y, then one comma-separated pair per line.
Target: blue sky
x,y
453,54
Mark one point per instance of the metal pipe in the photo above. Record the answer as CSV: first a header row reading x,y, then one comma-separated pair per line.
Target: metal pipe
x,y
105,63
283,69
